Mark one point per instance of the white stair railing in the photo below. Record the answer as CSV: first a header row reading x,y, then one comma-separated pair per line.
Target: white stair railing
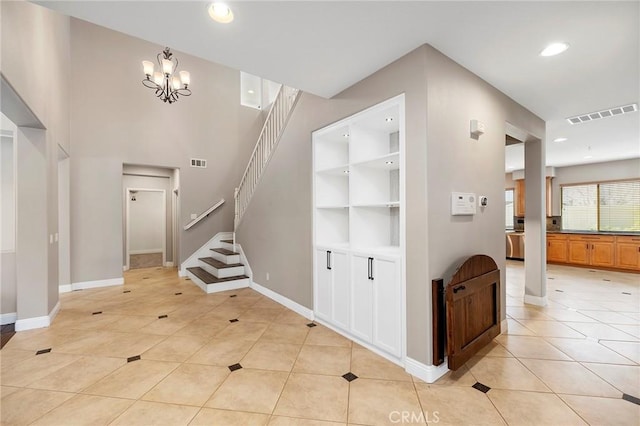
x,y
267,141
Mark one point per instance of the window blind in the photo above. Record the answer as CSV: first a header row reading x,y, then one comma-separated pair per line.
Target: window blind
x,y
610,206
509,213
580,208
620,206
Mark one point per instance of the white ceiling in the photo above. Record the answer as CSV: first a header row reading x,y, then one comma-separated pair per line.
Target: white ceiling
x,y
323,47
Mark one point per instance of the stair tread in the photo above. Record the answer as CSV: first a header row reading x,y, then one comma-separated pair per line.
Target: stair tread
x,y
207,278
227,241
224,251
217,264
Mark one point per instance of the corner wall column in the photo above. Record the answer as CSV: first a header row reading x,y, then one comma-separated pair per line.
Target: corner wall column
x,y
535,247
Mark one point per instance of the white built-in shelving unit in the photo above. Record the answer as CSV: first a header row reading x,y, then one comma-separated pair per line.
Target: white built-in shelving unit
x,y
358,185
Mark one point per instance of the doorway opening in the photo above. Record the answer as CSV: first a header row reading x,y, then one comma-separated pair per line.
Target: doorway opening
x,y
150,229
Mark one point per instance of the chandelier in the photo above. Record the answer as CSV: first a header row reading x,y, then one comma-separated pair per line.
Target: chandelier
x,y
168,86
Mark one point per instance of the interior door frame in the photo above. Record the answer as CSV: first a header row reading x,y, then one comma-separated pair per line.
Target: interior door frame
x,y
128,223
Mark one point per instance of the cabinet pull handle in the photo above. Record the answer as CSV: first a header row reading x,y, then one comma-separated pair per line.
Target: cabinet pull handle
x,y
328,259
587,246
459,288
371,268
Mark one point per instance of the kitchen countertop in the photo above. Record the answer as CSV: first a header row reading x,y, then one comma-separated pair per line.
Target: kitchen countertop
x,y
631,234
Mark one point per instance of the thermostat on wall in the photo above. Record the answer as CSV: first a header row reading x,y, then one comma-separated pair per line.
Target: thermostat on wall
x,y
463,203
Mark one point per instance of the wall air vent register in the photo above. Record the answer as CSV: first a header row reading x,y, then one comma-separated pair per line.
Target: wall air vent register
x,y
583,118
198,162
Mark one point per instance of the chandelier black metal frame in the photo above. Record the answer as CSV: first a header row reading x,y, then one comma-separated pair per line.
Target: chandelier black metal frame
x,y
168,86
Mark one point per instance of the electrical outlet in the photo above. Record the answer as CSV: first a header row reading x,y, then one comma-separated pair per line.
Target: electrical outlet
x,y
267,276
194,215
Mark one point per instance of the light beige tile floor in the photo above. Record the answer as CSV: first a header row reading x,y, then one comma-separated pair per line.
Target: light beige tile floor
x,y
567,363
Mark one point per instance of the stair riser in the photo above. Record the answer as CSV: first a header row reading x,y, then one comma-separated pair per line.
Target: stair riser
x,y
223,272
215,288
235,258
228,246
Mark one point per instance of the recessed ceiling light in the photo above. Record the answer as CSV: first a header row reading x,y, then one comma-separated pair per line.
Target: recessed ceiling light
x,y
346,135
511,167
388,119
251,92
586,157
560,139
346,172
220,12
389,162
554,49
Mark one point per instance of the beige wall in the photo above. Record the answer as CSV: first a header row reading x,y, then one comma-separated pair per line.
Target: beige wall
x,y
35,63
457,162
441,98
115,120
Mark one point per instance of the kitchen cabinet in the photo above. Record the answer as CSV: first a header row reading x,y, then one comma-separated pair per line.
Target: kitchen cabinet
x,y
358,226
595,250
332,286
519,194
376,303
557,248
628,252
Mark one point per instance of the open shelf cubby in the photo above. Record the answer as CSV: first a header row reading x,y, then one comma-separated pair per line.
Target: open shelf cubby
x,y
358,180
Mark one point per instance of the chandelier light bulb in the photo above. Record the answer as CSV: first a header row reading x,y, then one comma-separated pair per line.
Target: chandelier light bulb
x,y
148,67
167,66
175,82
158,78
185,77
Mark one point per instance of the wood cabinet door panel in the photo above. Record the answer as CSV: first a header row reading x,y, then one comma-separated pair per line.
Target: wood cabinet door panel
x,y
628,256
602,254
579,252
556,250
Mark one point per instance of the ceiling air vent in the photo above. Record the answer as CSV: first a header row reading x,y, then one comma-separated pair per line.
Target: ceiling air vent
x,y
583,118
198,162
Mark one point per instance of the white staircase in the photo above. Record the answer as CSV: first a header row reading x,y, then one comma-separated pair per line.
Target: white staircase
x,y
272,130
220,271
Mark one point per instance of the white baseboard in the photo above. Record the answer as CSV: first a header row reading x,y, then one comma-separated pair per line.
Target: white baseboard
x,y
535,300
146,251
37,322
428,373
8,318
504,326
91,284
294,306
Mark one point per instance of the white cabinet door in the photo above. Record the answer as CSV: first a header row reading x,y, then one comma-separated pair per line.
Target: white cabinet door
x,y
361,297
341,288
324,280
387,306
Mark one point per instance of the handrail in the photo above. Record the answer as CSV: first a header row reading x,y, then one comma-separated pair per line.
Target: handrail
x,y
270,134
205,214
